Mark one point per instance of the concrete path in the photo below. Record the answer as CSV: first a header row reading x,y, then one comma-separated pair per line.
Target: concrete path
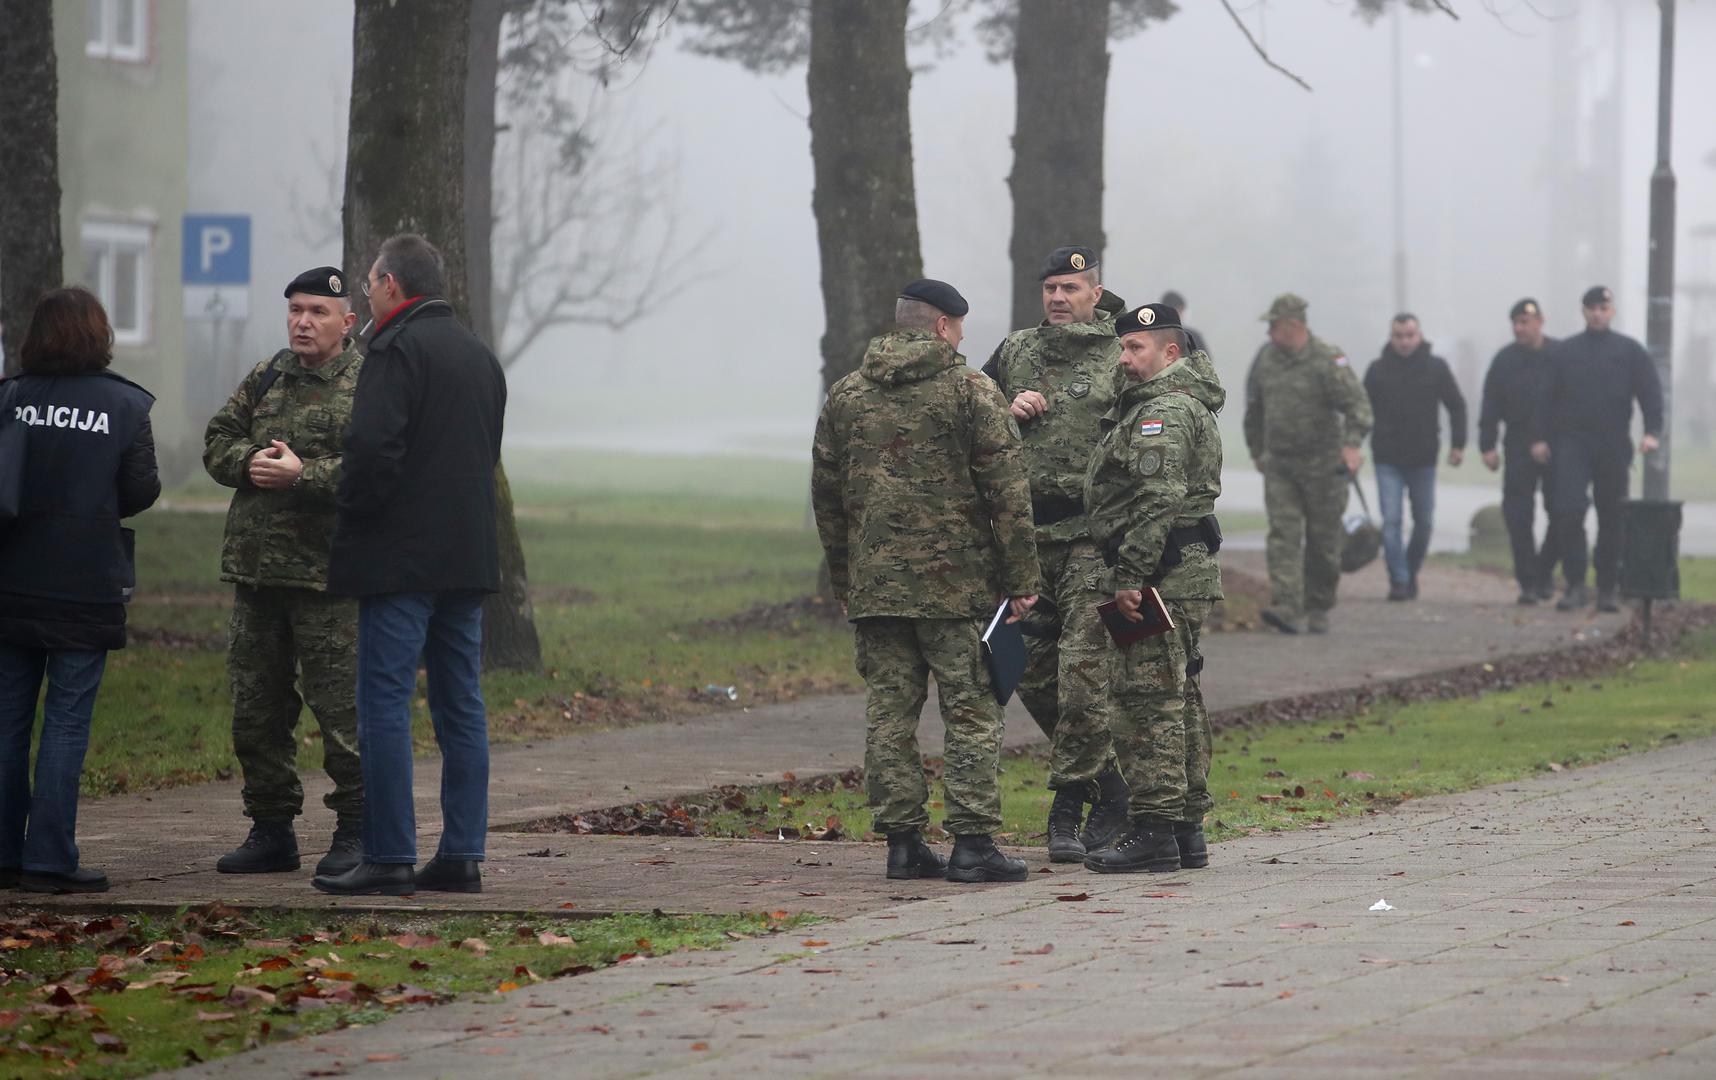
x,y
160,848
1559,927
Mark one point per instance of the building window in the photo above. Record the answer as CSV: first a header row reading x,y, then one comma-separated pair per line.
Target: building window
x,y
118,263
118,30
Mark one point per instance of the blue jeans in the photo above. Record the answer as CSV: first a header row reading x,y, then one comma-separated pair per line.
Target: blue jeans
x,y
38,829
446,630
1392,482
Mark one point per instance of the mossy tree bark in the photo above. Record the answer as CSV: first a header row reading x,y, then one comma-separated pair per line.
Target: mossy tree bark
x,y
31,258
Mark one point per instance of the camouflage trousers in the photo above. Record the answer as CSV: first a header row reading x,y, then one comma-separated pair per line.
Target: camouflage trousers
x,y
896,657
1161,728
283,643
1305,537
1064,685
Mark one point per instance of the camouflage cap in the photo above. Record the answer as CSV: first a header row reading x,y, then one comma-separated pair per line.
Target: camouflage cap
x,y
1069,260
1286,306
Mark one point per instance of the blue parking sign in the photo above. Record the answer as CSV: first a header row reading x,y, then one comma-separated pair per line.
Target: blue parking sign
x,y
216,249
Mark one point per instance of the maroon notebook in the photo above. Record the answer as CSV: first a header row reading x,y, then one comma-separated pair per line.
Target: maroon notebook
x,y
1124,631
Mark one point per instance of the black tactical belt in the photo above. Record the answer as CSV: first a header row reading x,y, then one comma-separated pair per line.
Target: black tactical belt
x,y
1207,531
1054,511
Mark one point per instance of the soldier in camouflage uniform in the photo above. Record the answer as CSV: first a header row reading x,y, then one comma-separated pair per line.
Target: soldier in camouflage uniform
x,y
1150,492
277,441
1061,377
924,512
1305,417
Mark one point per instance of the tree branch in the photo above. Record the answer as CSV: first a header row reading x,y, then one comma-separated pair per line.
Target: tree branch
x,y
1246,30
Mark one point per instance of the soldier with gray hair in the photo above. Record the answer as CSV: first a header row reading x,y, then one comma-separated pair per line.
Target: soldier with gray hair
x,y
924,512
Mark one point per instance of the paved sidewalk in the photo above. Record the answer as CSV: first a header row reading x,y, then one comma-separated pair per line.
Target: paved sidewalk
x,y
1558,927
160,848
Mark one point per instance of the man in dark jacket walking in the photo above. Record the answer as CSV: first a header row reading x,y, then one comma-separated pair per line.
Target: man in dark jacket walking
x,y
415,542
1583,424
1406,384
1511,391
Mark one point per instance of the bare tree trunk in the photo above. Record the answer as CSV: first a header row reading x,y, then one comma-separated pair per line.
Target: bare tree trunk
x,y
1060,68
31,259
861,153
405,172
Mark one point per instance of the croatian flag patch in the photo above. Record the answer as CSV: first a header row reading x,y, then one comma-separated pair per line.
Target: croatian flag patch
x,y
1149,427
1341,361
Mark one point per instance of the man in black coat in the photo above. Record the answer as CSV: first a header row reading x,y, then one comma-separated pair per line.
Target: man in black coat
x,y
415,542
1406,384
1511,390
1583,428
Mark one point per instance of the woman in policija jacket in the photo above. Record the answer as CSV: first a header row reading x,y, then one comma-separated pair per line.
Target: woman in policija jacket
x,y
79,457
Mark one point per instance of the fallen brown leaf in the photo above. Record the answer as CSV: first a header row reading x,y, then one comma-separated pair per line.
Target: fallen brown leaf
x,y
1074,897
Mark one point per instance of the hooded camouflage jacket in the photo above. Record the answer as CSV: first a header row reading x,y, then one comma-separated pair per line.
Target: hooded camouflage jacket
x,y
919,490
1076,366
282,537
1156,468
1302,407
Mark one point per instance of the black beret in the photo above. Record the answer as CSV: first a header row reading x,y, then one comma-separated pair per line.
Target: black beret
x,y
1528,306
937,294
1148,317
1068,260
322,281
1596,294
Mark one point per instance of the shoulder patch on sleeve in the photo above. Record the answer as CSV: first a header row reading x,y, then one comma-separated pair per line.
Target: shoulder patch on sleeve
x,y
1150,426
1341,360
1150,462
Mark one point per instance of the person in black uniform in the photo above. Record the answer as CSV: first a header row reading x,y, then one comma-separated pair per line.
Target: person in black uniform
x,y
1511,391
1582,426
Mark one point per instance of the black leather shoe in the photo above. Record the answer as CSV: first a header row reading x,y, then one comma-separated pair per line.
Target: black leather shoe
x,y
345,851
1606,599
1149,848
370,879
1397,590
451,875
1107,818
1573,599
1189,838
1412,586
271,848
8,877
1546,590
976,858
1065,814
1527,596
78,881
909,857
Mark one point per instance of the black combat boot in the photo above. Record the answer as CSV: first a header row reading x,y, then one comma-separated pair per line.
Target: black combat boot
x,y
271,848
345,850
1147,846
976,858
909,857
1189,838
1573,599
1606,598
1107,818
1064,816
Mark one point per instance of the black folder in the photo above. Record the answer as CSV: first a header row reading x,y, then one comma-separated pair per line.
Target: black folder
x,y
1124,631
1004,652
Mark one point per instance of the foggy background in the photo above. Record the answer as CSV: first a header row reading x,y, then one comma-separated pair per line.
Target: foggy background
x,y
1529,143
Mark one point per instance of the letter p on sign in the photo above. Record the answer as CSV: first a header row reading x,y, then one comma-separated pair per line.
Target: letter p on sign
x,y
216,249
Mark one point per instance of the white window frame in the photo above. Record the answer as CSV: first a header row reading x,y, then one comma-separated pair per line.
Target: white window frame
x,y
113,237
100,42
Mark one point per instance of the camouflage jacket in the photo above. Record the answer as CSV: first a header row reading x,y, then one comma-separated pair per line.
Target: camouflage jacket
x,y
282,537
1301,408
1076,366
1158,467
920,494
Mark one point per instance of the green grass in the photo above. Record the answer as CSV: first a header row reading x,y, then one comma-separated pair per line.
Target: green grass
x,y
227,982
631,559
1290,776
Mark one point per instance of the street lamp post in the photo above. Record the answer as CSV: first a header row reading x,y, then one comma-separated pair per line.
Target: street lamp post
x,y
1659,330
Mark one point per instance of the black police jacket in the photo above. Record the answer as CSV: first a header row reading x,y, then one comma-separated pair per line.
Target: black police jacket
x,y
416,501
1404,395
1592,382
1512,387
89,460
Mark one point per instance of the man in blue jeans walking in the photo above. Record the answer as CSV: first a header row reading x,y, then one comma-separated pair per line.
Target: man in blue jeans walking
x,y
1406,384
415,542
